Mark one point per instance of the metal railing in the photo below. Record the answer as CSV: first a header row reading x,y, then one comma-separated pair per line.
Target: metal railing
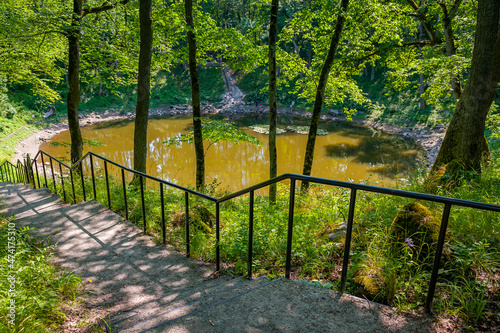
x,y
25,173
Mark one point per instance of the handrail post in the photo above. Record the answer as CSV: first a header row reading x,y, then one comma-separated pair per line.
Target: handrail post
x,y
83,182
93,177
44,171
186,203
37,175
26,178
19,172
9,178
30,163
217,236
62,181
53,175
11,173
250,235
30,170
437,258
107,183
162,203
72,185
291,207
348,237
3,170
30,166
143,205
125,194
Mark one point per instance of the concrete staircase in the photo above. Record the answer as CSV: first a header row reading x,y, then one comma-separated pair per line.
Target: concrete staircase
x,y
157,315
150,288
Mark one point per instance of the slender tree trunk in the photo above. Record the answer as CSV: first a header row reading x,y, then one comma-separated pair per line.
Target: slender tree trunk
x,y
66,76
74,82
422,105
465,142
195,93
100,79
320,92
273,107
143,86
372,75
451,49
421,76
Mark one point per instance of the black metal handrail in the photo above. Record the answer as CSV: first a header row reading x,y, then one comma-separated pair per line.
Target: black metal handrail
x,y
10,172
354,188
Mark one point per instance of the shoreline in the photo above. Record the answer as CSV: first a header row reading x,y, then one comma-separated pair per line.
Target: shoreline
x,y
428,139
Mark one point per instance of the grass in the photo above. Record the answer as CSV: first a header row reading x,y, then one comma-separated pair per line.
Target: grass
x,y
380,269
40,289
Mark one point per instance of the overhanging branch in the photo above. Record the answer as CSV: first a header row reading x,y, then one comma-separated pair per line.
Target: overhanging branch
x,y
423,20
102,8
383,49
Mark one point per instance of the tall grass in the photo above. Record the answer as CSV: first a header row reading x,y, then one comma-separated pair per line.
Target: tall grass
x,y
40,288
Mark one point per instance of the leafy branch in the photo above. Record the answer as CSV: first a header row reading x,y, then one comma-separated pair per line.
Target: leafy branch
x,y
104,7
215,131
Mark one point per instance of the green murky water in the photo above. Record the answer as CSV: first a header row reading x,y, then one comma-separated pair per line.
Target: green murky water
x,y
347,152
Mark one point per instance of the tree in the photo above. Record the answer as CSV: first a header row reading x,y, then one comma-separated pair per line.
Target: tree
x,y
73,99
464,144
195,93
273,107
32,45
143,85
320,91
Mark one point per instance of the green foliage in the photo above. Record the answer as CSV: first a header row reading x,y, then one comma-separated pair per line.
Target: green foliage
x,y
40,288
215,131
24,27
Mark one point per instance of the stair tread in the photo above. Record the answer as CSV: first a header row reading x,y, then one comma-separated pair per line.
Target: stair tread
x,y
171,313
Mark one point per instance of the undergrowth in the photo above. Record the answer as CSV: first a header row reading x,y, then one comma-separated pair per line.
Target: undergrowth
x,y
37,289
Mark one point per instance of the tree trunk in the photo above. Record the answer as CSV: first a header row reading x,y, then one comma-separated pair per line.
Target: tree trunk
x,y
320,92
421,76
143,86
195,93
100,80
422,105
66,76
273,107
451,49
372,75
74,82
464,142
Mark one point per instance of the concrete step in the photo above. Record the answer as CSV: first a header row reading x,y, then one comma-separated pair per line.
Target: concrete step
x,y
130,315
158,314
23,201
120,265
291,306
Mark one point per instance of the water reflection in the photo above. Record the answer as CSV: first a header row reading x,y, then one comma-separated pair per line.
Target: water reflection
x,y
347,153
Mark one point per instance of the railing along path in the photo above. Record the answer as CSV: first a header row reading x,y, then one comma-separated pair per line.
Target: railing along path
x,y
23,172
